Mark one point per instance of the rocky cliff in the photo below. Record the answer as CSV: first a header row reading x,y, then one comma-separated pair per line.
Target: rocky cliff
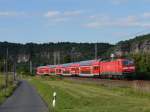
x,y
140,44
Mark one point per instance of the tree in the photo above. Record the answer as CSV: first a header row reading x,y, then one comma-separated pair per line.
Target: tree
x,y
67,59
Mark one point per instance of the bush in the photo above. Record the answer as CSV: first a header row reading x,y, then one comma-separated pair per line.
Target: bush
x,y
142,63
142,76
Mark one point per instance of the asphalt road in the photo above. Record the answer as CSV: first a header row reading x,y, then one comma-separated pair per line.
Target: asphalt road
x,y
24,99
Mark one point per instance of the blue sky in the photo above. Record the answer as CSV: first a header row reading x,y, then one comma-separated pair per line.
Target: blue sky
x,y
73,20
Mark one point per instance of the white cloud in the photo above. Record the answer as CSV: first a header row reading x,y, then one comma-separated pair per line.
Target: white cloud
x,y
51,14
120,34
8,14
73,13
118,2
12,14
93,24
146,15
60,19
100,21
65,13
60,16
129,21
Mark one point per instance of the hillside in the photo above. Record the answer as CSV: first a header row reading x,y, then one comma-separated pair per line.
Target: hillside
x,y
64,52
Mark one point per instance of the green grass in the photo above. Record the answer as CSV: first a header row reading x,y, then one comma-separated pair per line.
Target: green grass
x,y
78,97
6,92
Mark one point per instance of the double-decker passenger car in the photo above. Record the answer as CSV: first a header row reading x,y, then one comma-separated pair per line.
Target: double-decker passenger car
x,y
59,70
66,69
89,68
52,69
74,69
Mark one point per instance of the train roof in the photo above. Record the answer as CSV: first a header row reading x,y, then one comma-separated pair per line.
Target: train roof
x,y
67,64
52,66
81,63
88,62
41,66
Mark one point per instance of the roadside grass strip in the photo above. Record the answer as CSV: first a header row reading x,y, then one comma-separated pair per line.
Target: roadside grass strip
x,y
6,92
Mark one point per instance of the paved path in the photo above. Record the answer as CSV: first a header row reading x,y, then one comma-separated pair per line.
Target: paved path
x,y
24,99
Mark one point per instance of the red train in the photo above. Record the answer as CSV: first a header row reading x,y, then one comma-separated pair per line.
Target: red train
x,y
91,68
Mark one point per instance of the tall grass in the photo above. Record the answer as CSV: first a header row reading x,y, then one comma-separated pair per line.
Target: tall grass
x,y
6,91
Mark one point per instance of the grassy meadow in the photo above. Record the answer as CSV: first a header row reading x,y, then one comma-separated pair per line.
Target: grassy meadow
x,y
82,97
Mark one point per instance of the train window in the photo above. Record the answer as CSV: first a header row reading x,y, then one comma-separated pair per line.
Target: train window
x,y
128,62
73,69
96,67
125,62
58,70
86,72
77,69
66,72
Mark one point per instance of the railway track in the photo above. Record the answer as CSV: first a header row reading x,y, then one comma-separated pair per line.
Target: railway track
x,y
140,85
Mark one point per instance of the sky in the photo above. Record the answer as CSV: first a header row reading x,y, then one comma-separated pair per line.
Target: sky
x,y
43,21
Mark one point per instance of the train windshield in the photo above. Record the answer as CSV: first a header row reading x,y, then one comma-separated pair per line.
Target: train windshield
x,y
128,62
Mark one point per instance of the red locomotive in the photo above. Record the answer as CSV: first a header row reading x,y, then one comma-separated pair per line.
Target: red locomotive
x,y
117,68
